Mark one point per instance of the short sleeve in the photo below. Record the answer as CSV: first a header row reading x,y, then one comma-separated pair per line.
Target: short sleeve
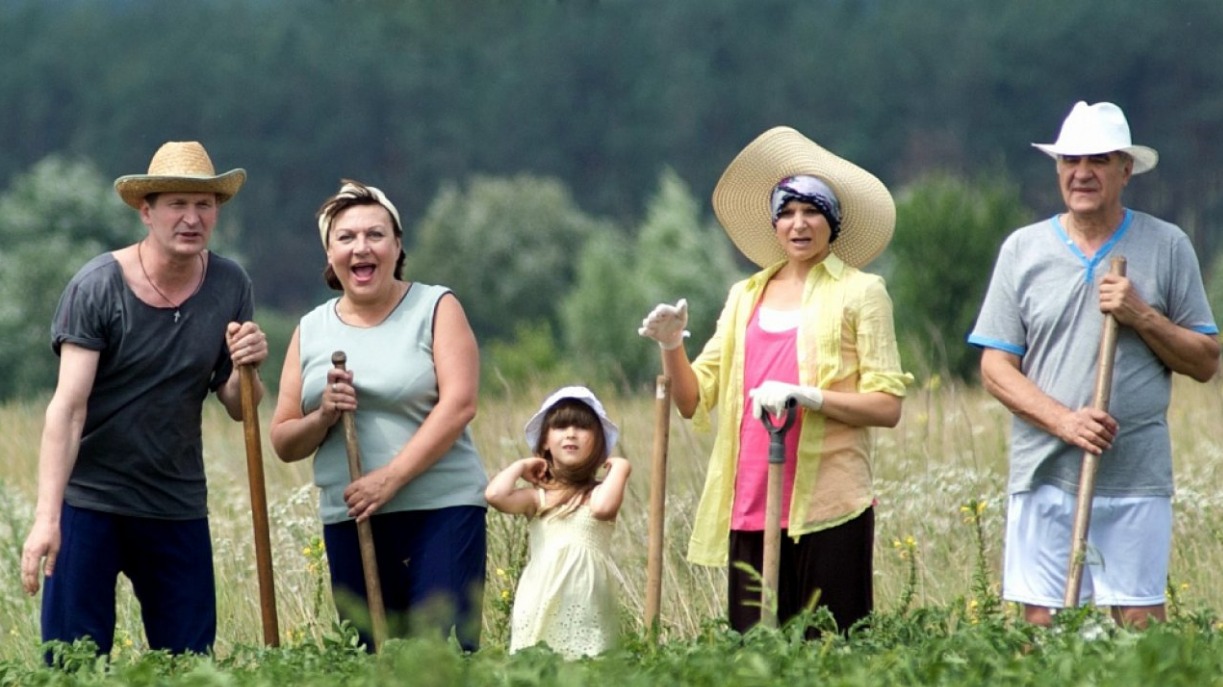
x,y
80,316
879,355
999,324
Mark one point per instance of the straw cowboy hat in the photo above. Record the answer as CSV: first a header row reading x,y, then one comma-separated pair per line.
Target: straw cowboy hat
x,y
183,167
1097,129
534,426
741,198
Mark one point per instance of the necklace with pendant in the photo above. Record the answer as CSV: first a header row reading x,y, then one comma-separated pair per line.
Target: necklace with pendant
x,y
177,306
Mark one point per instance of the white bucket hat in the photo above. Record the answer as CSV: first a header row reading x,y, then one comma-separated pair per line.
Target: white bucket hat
x,y
611,433
741,200
1097,129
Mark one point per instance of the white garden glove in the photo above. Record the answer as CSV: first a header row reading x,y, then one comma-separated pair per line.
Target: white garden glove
x,y
665,324
772,396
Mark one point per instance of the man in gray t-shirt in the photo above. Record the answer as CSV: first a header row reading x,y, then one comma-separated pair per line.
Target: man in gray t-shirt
x,y
1039,328
144,334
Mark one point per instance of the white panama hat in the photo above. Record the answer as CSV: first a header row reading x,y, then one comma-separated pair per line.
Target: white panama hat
x,y
741,198
611,433
1097,129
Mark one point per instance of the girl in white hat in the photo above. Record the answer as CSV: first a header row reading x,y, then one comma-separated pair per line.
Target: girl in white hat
x,y
566,597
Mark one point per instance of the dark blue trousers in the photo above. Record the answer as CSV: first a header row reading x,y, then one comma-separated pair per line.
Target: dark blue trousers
x,y
430,567
169,563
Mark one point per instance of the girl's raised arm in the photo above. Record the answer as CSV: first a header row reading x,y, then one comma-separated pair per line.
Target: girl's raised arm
x,y
504,494
606,498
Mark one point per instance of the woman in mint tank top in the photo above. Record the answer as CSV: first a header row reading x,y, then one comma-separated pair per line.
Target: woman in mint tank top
x,y
411,379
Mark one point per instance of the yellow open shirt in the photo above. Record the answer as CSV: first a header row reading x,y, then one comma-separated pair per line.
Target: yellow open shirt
x,y
855,351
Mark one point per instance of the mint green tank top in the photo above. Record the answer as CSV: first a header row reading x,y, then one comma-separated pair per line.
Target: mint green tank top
x,y
396,383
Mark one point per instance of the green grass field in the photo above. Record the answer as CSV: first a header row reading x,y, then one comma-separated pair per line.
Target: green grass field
x,y
940,478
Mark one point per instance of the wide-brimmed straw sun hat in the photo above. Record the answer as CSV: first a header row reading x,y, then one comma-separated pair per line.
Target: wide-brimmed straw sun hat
x,y
1097,129
741,198
180,167
611,433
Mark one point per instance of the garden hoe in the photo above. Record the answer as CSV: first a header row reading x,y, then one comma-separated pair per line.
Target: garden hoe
x,y
365,535
772,512
1087,476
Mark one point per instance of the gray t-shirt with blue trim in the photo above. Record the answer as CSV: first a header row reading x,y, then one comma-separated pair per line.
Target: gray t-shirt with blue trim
x,y
1043,306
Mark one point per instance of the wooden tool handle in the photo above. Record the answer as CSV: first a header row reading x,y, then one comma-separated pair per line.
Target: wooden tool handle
x,y
365,534
1087,474
658,501
340,360
259,505
771,564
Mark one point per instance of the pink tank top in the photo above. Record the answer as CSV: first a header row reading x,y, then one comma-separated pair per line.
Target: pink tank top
x,y
766,355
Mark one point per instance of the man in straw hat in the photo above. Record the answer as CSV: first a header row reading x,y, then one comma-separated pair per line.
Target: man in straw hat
x,y
143,334
1039,328
810,326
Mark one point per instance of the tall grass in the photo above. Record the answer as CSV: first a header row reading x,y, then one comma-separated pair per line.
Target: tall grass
x,y
940,477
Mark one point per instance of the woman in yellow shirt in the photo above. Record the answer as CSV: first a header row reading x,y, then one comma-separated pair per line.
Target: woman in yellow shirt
x,y
812,327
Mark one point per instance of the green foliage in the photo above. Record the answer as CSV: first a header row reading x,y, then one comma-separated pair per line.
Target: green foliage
x,y
53,219
676,255
408,95
948,231
930,646
1214,286
531,360
507,247
278,327
602,312
679,255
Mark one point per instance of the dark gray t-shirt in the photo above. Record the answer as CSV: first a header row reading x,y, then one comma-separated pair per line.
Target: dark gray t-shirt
x,y
141,452
1043,305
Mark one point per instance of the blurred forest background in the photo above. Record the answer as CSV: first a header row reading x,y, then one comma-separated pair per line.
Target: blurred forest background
x,y
553,160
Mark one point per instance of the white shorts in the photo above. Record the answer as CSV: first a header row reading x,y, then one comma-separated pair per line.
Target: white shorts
x,y
1129,543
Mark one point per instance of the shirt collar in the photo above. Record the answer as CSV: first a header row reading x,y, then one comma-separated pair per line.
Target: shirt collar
x,y
832,265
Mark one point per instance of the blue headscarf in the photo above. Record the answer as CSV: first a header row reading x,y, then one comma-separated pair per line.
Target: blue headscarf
x,y
808,189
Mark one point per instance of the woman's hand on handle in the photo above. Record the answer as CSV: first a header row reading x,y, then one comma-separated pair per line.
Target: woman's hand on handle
x,y
771,396
339,396
364,496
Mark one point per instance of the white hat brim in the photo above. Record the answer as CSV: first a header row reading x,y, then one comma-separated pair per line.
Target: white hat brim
x,y
1145,158
534,426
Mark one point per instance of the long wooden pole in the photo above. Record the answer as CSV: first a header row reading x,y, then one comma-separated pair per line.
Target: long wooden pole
x,y
771,567
259,506
1087,475
658,500
365,535
772,546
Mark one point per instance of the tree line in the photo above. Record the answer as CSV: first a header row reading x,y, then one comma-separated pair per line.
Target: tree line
x,y
598,112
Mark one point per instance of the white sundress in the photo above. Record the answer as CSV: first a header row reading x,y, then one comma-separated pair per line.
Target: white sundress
x,y
566,595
